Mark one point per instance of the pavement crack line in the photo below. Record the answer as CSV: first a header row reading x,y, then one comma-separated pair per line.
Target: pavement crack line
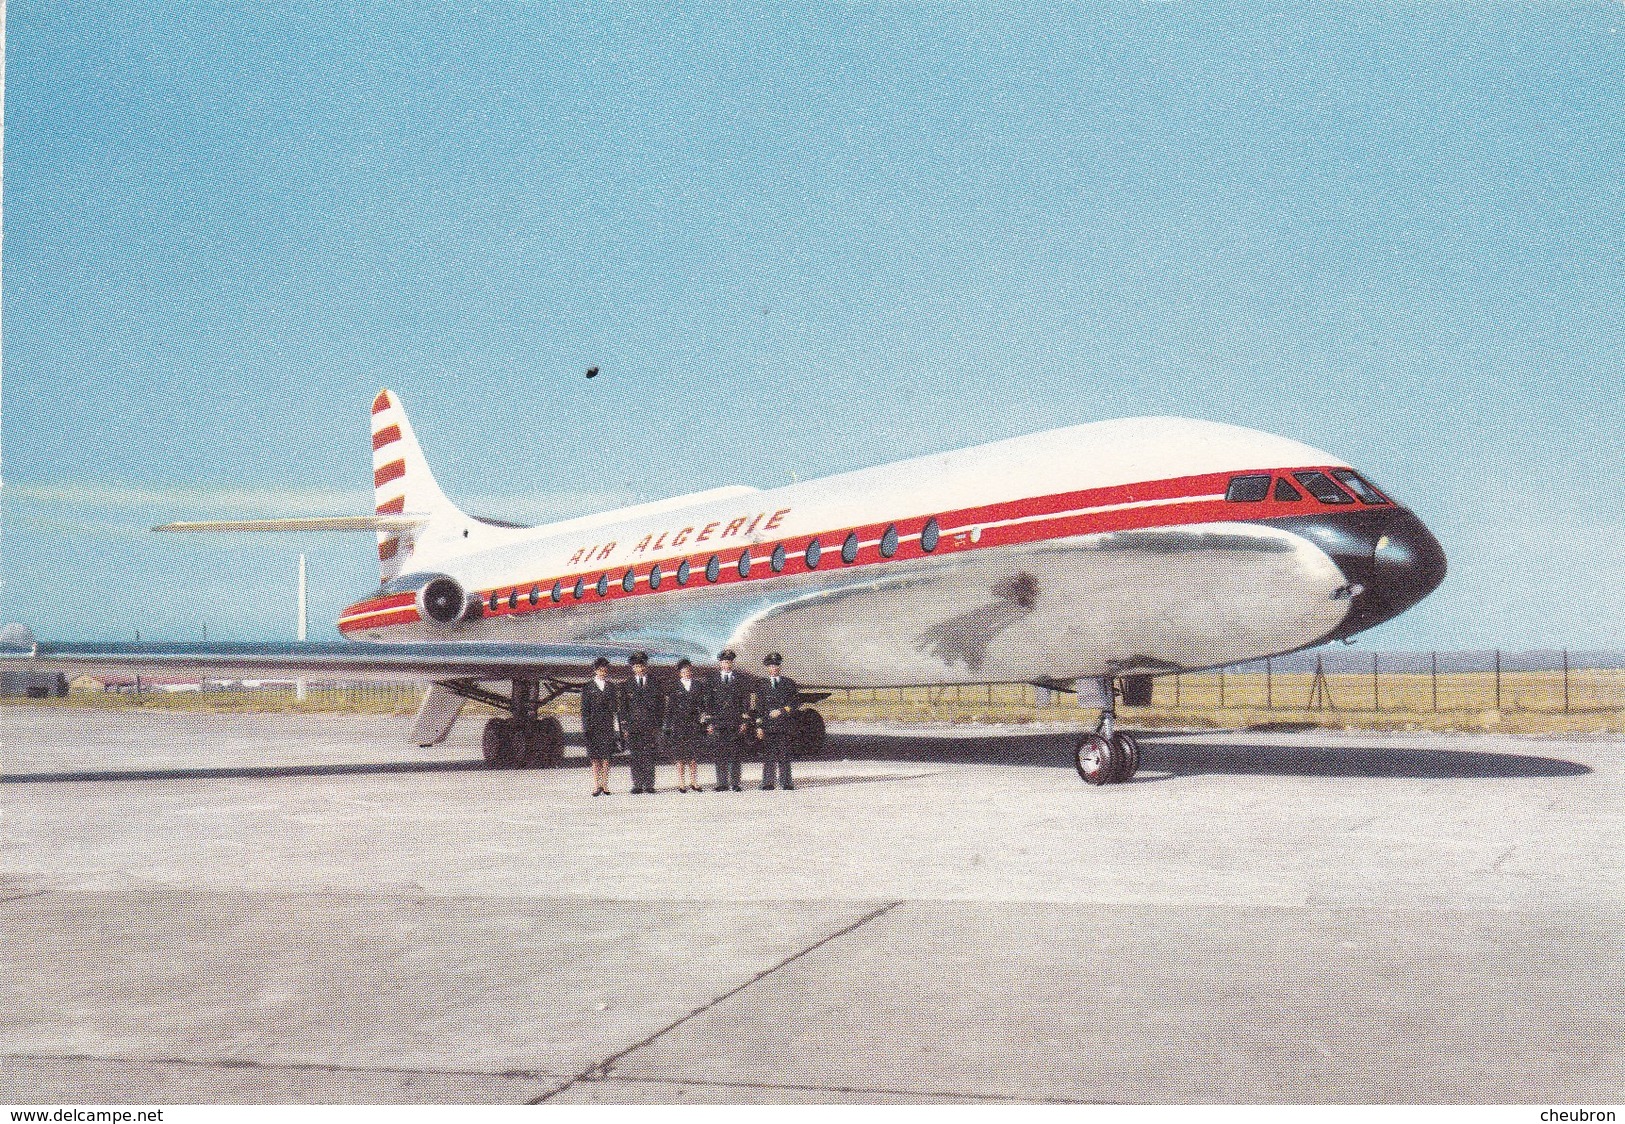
x,y
285,1067
922,1094
599,1070
24,897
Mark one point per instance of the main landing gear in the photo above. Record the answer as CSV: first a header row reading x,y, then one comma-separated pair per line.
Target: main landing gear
x,y
509,744
1107,756
525,739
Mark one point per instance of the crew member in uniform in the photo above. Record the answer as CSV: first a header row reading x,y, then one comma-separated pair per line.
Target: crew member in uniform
x,y
685,704
727,719
600,704
641,706
777,701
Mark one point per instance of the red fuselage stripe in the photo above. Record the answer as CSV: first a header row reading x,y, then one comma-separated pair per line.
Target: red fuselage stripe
x,y
408,615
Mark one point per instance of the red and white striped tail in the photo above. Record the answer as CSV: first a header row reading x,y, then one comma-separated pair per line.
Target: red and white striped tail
x,y
402,483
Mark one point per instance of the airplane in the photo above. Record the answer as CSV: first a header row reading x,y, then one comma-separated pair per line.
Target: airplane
x,y
1089,558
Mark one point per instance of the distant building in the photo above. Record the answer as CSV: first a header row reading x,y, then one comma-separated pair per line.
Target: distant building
x,y
16,684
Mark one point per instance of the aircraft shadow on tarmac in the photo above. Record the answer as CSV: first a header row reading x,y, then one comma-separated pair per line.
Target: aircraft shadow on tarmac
x,y
246,772
1164,757
251,772
1168,754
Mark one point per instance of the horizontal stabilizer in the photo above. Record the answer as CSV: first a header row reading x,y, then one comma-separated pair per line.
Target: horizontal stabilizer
x,y
404,521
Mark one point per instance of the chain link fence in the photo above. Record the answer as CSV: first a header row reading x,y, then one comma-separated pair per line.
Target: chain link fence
x,y
1554,681
1524,691
1347,686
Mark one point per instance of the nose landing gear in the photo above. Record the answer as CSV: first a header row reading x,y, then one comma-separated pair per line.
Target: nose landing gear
x,y
1107,756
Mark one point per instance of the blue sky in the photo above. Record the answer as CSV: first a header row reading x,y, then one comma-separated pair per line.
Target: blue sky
x,y
796,241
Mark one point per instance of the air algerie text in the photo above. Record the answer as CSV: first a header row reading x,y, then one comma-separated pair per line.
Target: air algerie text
x,y
692,535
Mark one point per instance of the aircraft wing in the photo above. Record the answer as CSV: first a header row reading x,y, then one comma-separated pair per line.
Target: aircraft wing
x,y
422,662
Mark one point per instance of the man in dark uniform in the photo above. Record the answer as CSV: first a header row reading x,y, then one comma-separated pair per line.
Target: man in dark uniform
x,y
777,701
728,719
641,706
600,703
685,704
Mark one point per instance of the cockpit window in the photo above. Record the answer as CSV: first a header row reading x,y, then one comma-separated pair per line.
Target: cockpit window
x,y
1248,489
1319,485
1364,491
1285,492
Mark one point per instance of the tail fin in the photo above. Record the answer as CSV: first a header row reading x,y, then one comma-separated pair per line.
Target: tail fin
x,y
402,482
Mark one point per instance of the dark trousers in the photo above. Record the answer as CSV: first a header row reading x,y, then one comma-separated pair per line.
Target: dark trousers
x,y
643,762
776,759
727,755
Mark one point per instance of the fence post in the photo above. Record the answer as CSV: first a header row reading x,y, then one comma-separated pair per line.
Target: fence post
x,y
1320,695
1497,679
1565,680
1269,685
1376,694
1176,690
1221,688
1433,660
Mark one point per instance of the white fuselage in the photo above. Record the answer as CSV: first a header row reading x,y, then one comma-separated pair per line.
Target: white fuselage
x,y
1093,550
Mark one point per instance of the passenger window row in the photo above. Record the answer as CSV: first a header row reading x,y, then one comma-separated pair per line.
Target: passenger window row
x,y
1255,487
930,536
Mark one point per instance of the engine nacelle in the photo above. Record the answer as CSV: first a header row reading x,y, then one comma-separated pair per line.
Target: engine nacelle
x,y
441,599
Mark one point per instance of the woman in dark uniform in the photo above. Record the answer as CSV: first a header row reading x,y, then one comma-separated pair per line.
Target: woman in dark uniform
x,y
685,709
599,703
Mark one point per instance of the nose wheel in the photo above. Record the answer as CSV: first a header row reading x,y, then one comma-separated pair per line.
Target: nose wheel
x,y
1107,760
1128,749
1096,759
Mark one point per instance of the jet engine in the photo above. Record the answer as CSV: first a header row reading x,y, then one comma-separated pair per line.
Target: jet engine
x,y
441,599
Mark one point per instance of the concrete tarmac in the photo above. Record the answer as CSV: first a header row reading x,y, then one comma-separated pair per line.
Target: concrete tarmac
x,y
266,908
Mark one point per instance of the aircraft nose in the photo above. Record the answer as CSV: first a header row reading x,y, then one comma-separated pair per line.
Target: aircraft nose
x,y
1388,558
1408,562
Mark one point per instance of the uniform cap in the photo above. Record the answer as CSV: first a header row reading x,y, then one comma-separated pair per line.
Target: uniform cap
x,y
638,659
684,663
601,661
727,654
773,659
